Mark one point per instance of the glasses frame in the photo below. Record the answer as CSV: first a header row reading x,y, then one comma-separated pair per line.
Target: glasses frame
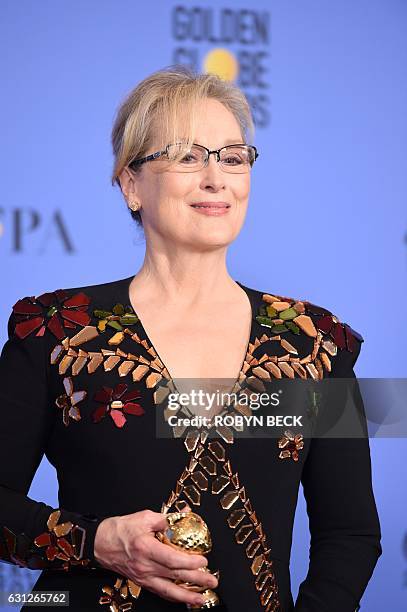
x,y
153,156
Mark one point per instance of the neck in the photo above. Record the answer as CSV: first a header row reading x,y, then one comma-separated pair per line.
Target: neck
x,y
185,278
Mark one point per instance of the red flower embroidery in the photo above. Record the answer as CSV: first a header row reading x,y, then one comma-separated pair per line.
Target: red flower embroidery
x,y
117,402
341,333
67,401
291,445
54,311
58,546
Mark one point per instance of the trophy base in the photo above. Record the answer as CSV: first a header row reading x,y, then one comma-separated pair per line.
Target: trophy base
x,y
211,601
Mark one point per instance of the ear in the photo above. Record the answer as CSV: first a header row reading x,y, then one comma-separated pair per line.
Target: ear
x,y
129,184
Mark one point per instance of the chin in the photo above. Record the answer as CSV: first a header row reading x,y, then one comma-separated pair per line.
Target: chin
x,y
216,238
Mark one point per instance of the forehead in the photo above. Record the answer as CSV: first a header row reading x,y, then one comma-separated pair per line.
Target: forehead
x,y
207,122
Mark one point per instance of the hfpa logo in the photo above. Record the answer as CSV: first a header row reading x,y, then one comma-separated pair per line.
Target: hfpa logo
x,y
23,225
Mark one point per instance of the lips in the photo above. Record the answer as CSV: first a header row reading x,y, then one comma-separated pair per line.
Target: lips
x,y
210,205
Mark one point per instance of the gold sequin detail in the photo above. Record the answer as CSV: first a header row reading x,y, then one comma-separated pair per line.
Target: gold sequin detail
x,y
220,478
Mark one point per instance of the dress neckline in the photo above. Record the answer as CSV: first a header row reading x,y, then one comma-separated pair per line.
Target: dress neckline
x,y
251,295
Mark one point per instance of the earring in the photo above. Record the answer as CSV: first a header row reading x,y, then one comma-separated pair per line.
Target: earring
x,y
134,205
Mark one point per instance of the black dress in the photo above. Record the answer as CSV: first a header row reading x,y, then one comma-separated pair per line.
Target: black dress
x,y
81,382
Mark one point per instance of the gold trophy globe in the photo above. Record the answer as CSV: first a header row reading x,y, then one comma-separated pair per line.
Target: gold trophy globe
x,y
189,532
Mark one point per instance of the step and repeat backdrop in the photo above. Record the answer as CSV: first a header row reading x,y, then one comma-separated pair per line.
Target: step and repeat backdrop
x,y
327,222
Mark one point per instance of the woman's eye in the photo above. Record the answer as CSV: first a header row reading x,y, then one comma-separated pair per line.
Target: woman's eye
x,y
232,160
188,157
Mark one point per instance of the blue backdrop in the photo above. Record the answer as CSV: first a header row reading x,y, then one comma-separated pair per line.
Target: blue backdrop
x,y
327,82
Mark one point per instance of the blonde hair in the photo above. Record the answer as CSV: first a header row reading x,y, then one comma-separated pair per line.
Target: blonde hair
x,y
163,103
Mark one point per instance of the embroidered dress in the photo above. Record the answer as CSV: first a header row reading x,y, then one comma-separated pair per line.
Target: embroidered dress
x,y
81,382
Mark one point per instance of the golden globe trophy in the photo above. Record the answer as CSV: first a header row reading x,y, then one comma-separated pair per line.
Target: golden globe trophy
x,y
189,532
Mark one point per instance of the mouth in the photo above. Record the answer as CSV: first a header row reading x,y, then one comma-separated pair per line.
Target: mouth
x,y
210,205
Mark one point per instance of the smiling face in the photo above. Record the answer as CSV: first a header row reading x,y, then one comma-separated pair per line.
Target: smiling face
x,y
166,197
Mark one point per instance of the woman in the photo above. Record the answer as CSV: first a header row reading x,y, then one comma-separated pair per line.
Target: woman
x,y
94,359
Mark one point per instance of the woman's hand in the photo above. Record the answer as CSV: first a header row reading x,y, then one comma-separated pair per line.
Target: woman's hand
x,y
128,546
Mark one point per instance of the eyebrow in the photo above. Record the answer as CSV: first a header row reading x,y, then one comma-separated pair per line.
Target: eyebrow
x,y
230,141
233,141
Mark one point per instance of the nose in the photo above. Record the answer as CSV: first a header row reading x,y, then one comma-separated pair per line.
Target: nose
x,y
213,177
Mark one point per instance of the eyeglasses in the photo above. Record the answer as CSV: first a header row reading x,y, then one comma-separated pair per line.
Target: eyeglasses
x,y
235,158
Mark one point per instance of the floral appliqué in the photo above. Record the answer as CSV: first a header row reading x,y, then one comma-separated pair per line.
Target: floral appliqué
x,y
68,401
117,403
117,318
282,314
120,596
290,444
53,311
61,543
57,544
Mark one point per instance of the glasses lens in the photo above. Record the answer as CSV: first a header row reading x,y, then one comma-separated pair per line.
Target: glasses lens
x,y
237,158
191,160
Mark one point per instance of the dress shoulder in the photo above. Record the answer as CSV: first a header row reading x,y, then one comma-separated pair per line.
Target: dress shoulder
x,y
60,310
278,312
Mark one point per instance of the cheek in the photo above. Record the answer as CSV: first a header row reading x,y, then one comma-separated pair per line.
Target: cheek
x,y
177,185
242,188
